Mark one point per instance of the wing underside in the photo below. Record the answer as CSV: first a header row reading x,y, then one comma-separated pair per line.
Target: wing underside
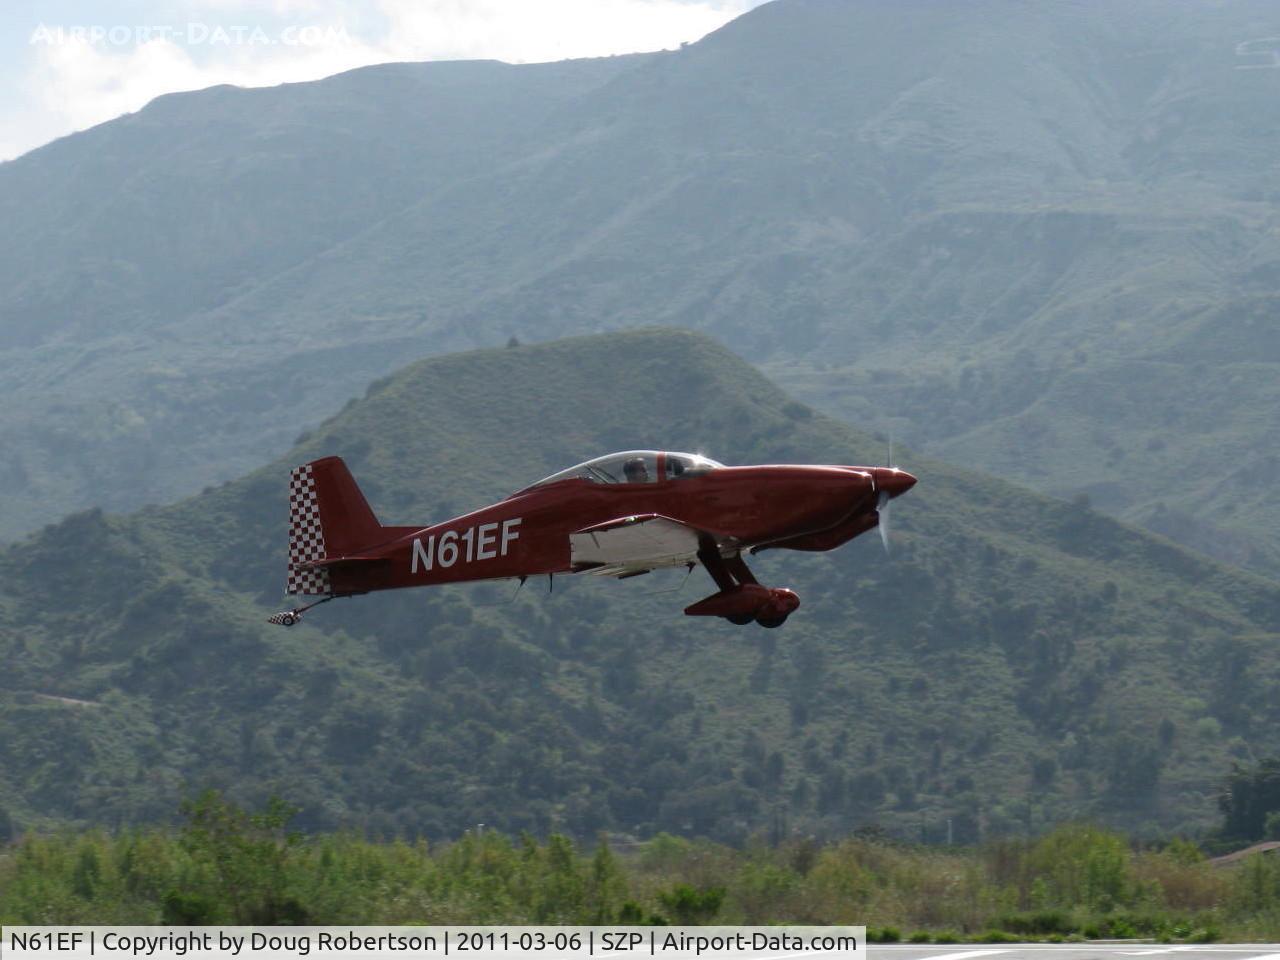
x,y
631,545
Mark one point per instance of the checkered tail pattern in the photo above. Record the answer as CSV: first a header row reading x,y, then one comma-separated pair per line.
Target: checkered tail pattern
x,y
306,535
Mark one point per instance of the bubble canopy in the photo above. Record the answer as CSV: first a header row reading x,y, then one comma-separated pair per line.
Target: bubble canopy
x,y
636,466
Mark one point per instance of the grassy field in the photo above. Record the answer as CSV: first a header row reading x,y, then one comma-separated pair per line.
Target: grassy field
x,y
228,866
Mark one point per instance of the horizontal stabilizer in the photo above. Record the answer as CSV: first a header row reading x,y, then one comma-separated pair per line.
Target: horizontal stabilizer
x,y
328,562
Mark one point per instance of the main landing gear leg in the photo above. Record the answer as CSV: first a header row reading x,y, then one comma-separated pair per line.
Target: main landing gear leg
x,y
289,617
709,554
741,598
738,567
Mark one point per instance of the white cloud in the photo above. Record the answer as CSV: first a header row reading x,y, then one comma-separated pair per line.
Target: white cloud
x,y
520,30
73,83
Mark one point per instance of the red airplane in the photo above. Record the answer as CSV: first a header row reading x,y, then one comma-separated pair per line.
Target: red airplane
x,y
620,515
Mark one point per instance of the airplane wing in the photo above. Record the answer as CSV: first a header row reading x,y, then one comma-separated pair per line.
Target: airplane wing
x,y
630,545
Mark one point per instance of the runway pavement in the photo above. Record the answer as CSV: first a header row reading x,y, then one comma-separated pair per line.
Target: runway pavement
x,y
1117,950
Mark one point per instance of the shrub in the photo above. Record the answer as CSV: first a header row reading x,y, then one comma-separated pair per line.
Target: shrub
x,y
1037,923
689,905
1119,928
1255,885
1182,878
995,936
1271,829
1083,865
1206,934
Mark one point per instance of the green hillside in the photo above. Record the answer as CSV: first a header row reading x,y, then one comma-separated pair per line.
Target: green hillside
x,y
1018,660
1036,239
121,238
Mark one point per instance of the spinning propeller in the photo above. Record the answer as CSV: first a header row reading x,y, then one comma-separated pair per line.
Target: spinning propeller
x,y
882,508
890,482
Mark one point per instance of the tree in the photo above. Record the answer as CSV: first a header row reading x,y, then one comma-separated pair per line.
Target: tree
x,y
690,906
244,859
562,886
1133,772
606,885
1249,795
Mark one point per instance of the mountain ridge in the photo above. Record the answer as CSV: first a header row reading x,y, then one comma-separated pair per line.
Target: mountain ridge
x,y
978,231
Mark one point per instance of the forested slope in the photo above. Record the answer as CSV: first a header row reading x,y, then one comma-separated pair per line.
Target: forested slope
x,y
1035,239
1018,660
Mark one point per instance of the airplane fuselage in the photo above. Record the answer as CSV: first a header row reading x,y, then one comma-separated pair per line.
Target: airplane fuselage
x,y
785,506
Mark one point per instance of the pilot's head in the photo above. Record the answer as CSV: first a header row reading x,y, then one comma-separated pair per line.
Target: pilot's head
x,y
634,470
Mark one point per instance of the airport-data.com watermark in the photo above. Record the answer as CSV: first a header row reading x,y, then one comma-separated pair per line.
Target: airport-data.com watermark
x,y
192,34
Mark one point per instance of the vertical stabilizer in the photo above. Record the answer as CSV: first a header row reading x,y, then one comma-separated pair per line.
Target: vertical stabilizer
x,y
328,519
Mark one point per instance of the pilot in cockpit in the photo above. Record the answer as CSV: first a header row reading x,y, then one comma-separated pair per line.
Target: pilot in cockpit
x,y
635,471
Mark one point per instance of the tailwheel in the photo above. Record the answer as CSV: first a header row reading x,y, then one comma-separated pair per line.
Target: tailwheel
x,y
288,618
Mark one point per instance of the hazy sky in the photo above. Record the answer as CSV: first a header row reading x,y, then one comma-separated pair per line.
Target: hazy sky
x,y
69,64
